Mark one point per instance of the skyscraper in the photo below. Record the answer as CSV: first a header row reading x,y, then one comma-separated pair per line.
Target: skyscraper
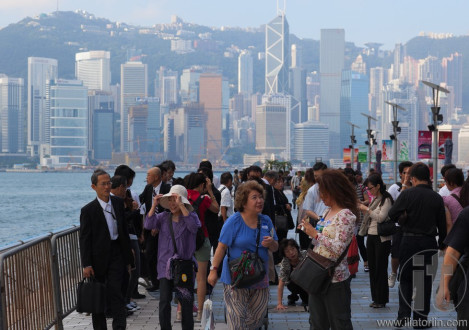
x,y
168,85
353,102
11,115
214,96
134,85
311,141
245,73
94,69
452,75
40,72
103,126
277,52
331,64
68,101
190,85
271,131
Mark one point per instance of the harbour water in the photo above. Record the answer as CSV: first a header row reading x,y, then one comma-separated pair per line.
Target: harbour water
x,y
37,203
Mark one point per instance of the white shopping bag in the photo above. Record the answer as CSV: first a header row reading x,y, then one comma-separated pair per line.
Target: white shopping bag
x,y
207,321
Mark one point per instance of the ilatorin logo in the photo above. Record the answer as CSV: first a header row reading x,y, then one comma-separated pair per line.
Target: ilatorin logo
x,y
421,270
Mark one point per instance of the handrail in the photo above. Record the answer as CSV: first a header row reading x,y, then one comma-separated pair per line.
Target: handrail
x,y
38,280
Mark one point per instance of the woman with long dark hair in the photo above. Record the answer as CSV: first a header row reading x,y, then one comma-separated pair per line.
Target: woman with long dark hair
x,y
378,247
331,308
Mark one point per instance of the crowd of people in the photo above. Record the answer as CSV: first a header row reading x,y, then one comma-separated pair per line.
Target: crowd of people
x,y
211,221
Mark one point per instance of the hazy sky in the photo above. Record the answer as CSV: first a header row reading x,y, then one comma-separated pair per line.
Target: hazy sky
x,y
385,21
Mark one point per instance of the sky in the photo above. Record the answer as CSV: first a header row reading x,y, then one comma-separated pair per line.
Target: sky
x,y
384,21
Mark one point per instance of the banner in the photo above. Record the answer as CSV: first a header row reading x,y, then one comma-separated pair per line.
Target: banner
x,y
424,149
347,155
442,137
387,151
362,154
403,152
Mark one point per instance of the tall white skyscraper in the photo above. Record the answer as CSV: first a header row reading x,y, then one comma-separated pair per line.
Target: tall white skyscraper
x,y
245,73
331,64
68,101
134,85
11,115
94,69
277,55
40,72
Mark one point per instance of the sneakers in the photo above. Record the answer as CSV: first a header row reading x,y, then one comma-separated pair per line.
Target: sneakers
x,y
130,308
199,317
392,280
134,305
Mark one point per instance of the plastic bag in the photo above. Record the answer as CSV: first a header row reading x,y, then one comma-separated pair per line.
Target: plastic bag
x,y
207,321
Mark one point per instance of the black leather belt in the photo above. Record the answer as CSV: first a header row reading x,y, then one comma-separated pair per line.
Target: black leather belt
x,y
412,234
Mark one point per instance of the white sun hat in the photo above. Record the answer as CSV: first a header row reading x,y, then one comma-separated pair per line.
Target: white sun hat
x,y
180,191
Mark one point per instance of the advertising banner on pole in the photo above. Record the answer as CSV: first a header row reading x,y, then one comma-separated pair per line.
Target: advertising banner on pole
x,y
362,154
347,155
424,149
442,137
403,152
387,151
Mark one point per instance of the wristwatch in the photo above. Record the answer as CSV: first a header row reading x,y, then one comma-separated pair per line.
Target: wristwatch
x,y
213,268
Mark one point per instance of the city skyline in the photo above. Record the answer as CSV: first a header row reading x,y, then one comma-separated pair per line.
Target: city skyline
x,y
364,21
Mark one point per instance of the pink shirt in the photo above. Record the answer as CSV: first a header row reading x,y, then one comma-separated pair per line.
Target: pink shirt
x,y
452,204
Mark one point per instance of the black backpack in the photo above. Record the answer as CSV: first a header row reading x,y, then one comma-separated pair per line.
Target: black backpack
x,y
200,237
400,185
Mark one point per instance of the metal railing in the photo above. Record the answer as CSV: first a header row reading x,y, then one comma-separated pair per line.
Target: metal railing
x,y
38,281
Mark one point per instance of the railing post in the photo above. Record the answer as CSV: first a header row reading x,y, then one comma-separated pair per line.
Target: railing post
x,y
56,283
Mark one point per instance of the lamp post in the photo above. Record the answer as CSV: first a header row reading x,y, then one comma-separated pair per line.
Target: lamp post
x,y
371,139
352,146
396,129
436,119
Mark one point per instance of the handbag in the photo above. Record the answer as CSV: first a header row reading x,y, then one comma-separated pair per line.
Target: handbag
x,y
314,274
387,228
352,256
247,269
90,296
281,222
182,270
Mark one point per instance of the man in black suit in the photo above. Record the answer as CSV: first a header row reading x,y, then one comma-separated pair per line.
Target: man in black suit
x,y
154,186
105,247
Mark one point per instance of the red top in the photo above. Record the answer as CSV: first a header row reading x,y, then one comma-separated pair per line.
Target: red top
x,y
192,196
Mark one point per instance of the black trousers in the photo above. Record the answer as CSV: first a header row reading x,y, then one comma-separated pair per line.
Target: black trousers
x,y
331,310
378,254
362,248
297,290
462,308
166,295
115,303
151,256
418,262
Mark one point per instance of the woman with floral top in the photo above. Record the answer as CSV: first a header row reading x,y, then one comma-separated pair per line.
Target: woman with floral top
x,y
331,308
292,256
378,247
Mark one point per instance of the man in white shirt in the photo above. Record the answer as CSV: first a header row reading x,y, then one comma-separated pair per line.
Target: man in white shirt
x,y
444,191
313,205
226,204
395,190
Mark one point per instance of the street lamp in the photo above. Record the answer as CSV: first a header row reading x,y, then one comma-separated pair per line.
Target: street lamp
x,y
437,119
352,146
370,140
396,129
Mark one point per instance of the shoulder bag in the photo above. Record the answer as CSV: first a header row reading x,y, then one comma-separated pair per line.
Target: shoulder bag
x,y
90,296
182,270
247,269
387,227
314,274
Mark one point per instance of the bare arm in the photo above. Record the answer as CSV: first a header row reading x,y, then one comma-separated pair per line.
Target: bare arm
x,y
280,305
449,265
217,260
224,210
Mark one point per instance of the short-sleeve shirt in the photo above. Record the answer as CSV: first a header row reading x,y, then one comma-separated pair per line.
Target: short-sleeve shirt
x,y
313,202
226,200
239,237
453,204
192,196
457,237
